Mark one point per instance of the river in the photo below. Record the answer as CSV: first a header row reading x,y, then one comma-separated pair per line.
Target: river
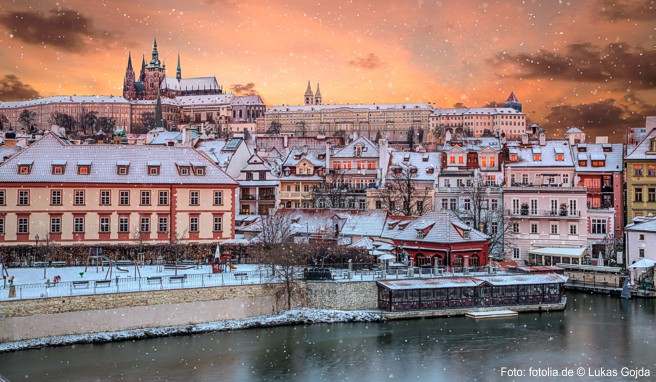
x,y
596,335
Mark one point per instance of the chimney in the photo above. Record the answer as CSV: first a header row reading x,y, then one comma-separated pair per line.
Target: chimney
x,y
285,141
383,156
525,139
327,165
543,139
186,136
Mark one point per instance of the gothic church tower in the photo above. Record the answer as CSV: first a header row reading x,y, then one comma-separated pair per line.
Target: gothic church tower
x,y
154,75
129,91
309,96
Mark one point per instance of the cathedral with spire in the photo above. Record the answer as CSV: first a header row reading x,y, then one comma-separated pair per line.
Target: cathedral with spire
x,y
152,81
313,98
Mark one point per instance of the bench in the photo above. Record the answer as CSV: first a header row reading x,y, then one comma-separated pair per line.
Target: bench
x,y
154,280
177,279
241,275
102,283
39,264
58,263
80,284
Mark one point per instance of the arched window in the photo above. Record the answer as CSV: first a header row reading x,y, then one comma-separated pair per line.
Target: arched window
x,y
474,261
457,261
421,260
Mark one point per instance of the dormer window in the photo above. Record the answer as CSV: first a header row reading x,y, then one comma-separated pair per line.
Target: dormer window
x,y
608,148
322,156
184,168
25,167
598,163
583,162
122,167
199,168
153,168
420,234
430,170
513,157
84,167
58,167
396,169
537,154
406,157
413,170
424,158
358,151
582,148
297,156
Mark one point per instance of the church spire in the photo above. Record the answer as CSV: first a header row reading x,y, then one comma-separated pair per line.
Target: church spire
x,y
129,60
159,120
155,58
178,71
317,96
142,74
309,96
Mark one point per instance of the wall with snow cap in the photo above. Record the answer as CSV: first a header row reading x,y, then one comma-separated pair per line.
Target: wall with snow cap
x,y
359,295
27,319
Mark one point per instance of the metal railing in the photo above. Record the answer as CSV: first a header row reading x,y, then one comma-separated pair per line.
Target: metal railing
x,y
135,284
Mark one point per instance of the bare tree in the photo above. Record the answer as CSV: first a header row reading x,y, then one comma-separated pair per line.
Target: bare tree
x,y
481,207
332,192
403,194
63,120
27,118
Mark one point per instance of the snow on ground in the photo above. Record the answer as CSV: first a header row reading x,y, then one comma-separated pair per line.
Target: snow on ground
x,y
35,275
290,317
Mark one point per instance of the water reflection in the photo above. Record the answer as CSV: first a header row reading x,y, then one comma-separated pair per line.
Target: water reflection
x,y
594,331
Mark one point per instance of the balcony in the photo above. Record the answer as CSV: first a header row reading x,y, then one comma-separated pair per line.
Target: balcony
x,y
552,214
266,197
246,197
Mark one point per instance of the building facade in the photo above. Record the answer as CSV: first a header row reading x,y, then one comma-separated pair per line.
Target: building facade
x,y
640,168
108,194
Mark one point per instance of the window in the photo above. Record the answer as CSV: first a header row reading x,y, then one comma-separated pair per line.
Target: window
x,y
145,198
466,204
392,205
218,198
23,224
641,252
263,175
105,197
641,237
124,198
573,230
524,178
494,204
193,224
494,228
452,204
459,183
573,211
218,224
55,197
2,225
249,175
598,226
638,194
144,225
23,197
534,206
637,170
447,182
534,228
379,204
554,228
651,170
420,234
55,225
163,199
163,225
83,170
651,194
516,254
362,204
184,170
79,197
153,170
483,161
420,206
200,171
104,224
515,206
515,228
565,178
123,224
58,170
24,169
2,198
78,224
194,198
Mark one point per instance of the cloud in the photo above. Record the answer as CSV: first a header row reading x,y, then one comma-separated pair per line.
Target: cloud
x,y
67,30
641,10
619,64
240,90
370,62
13,89
608,117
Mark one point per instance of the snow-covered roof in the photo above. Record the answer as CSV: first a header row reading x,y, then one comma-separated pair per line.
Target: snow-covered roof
x,y
573,130
642,226
186,84
365,107
368,149
643,150
247,100
547,158
473,281
473,144
610,154
103,158
475,111
64,99
219,151
206,99
446,228
425,163
312,155
558,251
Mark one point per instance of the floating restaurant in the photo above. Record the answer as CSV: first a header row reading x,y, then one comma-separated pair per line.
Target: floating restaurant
x,y
470,292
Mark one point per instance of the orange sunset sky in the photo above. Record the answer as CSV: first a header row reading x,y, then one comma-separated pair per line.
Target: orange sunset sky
x,y
585,63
